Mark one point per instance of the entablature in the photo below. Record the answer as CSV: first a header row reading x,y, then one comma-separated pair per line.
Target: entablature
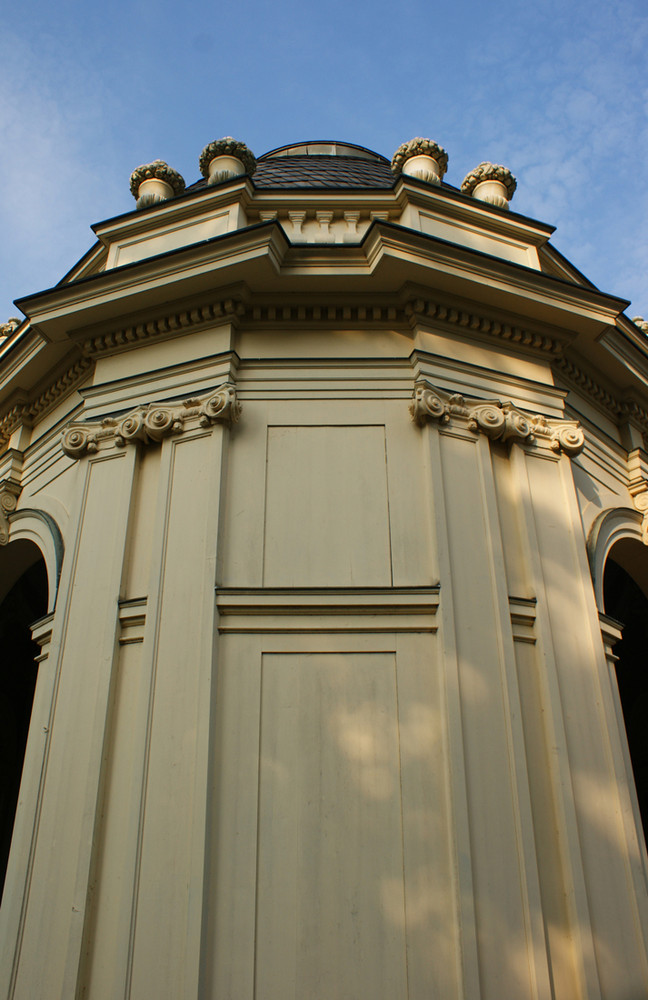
x,y
263,256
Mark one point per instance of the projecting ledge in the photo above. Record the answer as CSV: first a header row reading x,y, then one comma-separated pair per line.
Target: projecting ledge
x,y
287,609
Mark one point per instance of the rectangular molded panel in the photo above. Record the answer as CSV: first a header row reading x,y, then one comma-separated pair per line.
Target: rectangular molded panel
x,y
329,829
327,513
331,871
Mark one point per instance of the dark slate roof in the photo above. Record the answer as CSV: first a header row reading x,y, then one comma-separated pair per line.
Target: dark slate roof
x,y
319,172
322,172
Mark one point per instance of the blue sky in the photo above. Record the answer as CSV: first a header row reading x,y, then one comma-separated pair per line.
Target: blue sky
x,y
557,92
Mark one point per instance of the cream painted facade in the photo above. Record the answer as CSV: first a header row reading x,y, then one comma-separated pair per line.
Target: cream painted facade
x,y
325,480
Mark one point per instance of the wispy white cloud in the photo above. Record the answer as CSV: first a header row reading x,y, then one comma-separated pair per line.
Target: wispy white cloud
x,y
554,91
558,97
53,173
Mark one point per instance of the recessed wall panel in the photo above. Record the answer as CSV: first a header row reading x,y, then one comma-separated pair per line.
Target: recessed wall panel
x,y
327,513
330,856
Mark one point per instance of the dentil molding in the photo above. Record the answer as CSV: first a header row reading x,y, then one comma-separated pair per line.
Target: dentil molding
x,y
152,423
25,412
498,421
419,310
621,409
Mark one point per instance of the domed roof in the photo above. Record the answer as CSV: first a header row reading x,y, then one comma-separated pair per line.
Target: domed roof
x,y
320,164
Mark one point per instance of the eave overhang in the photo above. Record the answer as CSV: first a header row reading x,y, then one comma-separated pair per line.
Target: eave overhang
x,y
386,259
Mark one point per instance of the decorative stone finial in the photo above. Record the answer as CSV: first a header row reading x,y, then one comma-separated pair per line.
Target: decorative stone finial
x,y
6,329
225,158
490,182
641,323
154,182
421,158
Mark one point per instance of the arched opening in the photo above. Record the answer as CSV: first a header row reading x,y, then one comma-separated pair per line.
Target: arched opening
x,y
625,593
23,600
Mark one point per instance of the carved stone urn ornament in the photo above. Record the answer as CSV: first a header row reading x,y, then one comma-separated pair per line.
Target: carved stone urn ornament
x,y
641,323
155,182
421,158
6,329
225,158
490,182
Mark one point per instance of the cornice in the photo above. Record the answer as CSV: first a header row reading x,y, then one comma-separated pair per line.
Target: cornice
x,y
422,310
627,347
51,395
22,348
489,279
388,253
499,421
17,414
314,199
351,609
554,264
151,423
572,373
235,308
619,408
26,411
228,309
325,312
58,312
92,262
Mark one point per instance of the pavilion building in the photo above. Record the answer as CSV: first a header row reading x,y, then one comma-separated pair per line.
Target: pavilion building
x,y
323,583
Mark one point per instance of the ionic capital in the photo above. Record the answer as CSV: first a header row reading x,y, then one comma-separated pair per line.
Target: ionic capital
x,y
152,422
497,420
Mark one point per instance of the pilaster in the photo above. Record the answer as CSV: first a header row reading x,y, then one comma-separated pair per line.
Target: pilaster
x,y
81,662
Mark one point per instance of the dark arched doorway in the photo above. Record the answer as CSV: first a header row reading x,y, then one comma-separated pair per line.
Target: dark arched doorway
x,y
23,600
624,591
